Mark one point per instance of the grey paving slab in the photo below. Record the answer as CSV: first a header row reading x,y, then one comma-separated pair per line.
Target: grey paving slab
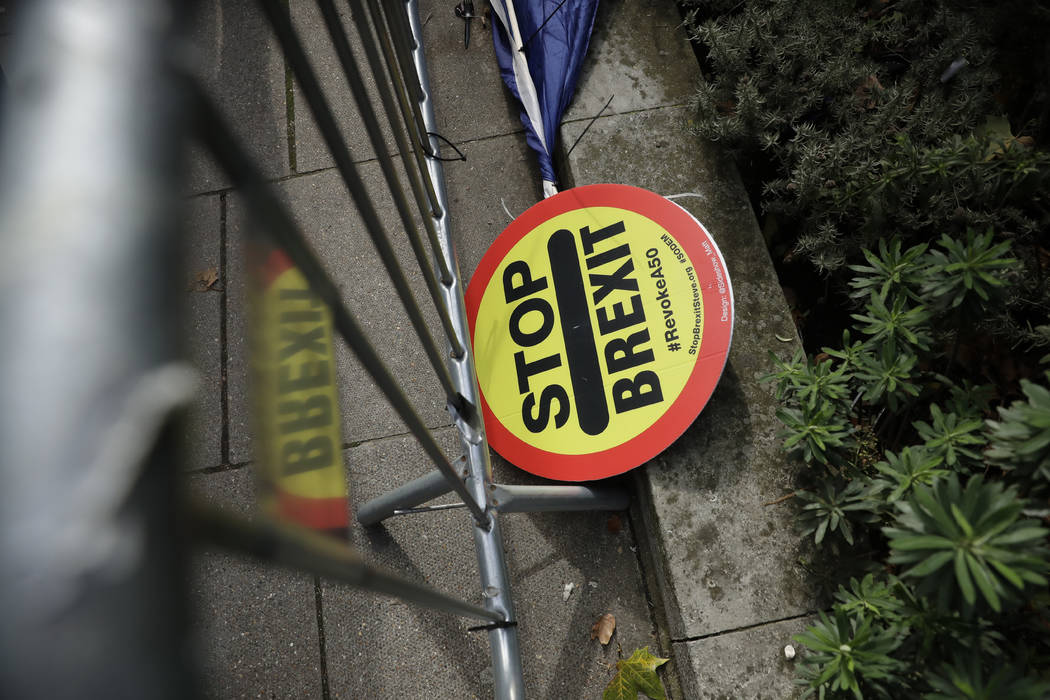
x,y
254,626
727,560
201,316
498,181
310,149
324,211
639,55
470,100
547,551
746,665
382,648
241,66
379,647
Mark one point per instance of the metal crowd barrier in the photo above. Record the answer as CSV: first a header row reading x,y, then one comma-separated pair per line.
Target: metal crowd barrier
x,y
145,112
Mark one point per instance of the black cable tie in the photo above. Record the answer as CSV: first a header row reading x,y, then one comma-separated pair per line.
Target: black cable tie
x,y
505,624
431,154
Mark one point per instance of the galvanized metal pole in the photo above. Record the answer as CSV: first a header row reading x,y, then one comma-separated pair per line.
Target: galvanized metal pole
x,y
403,497
540,499
386,163
495,581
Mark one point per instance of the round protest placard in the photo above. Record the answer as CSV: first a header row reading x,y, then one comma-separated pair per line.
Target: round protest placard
x,y
601,320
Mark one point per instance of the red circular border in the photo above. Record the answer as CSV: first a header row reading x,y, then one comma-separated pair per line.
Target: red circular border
x,y
711,355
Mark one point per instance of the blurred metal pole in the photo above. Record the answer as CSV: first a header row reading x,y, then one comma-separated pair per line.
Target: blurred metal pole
x,y
304,550
375,134
281,23
272,219
88,211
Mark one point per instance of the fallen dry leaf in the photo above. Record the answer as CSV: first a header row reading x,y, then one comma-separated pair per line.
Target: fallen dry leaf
x,y
636,675
614,524
205,279
603,629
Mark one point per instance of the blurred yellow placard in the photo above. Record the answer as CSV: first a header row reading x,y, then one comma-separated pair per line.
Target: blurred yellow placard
x,y
297,408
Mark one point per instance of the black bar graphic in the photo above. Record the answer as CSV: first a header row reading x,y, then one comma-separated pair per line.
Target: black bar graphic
x,y
592,411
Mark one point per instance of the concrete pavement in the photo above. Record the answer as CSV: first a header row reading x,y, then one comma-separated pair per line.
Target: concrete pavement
x,y
700,570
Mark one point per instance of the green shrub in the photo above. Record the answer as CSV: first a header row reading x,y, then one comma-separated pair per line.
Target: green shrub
x,y
850,652
1020,441
899,149
837,510
901,457
855,119
972,537
966,681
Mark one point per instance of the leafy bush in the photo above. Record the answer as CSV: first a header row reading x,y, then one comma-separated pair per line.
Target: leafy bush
x,y
966,681
898,148
925,118
977,531
850,650
1020,441
942,499
958,564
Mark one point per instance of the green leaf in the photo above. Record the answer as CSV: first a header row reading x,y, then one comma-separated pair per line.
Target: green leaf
x,y
911,542
985,582
1007,573
925,498
963,577
818,537
930,565
961,520
1023,534
634,675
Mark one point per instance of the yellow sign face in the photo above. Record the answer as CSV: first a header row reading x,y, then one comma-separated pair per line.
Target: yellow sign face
x,y
601,321
297,404
623,319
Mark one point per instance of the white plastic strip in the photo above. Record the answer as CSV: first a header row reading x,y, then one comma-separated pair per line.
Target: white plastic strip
x,y
504,10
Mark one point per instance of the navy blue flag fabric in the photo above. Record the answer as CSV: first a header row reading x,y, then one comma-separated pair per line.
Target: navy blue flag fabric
x,y
555,35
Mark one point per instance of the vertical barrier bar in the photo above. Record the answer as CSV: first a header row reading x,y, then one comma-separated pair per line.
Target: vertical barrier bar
x,y
386,164
282,230
403,98
386,27
400,32
495,580
422,188
296,56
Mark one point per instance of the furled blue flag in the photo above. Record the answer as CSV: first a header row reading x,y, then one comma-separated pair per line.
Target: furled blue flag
x,y
540,45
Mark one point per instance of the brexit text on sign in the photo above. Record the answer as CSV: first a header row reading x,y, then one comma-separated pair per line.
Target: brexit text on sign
x,y
601,320
296,406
